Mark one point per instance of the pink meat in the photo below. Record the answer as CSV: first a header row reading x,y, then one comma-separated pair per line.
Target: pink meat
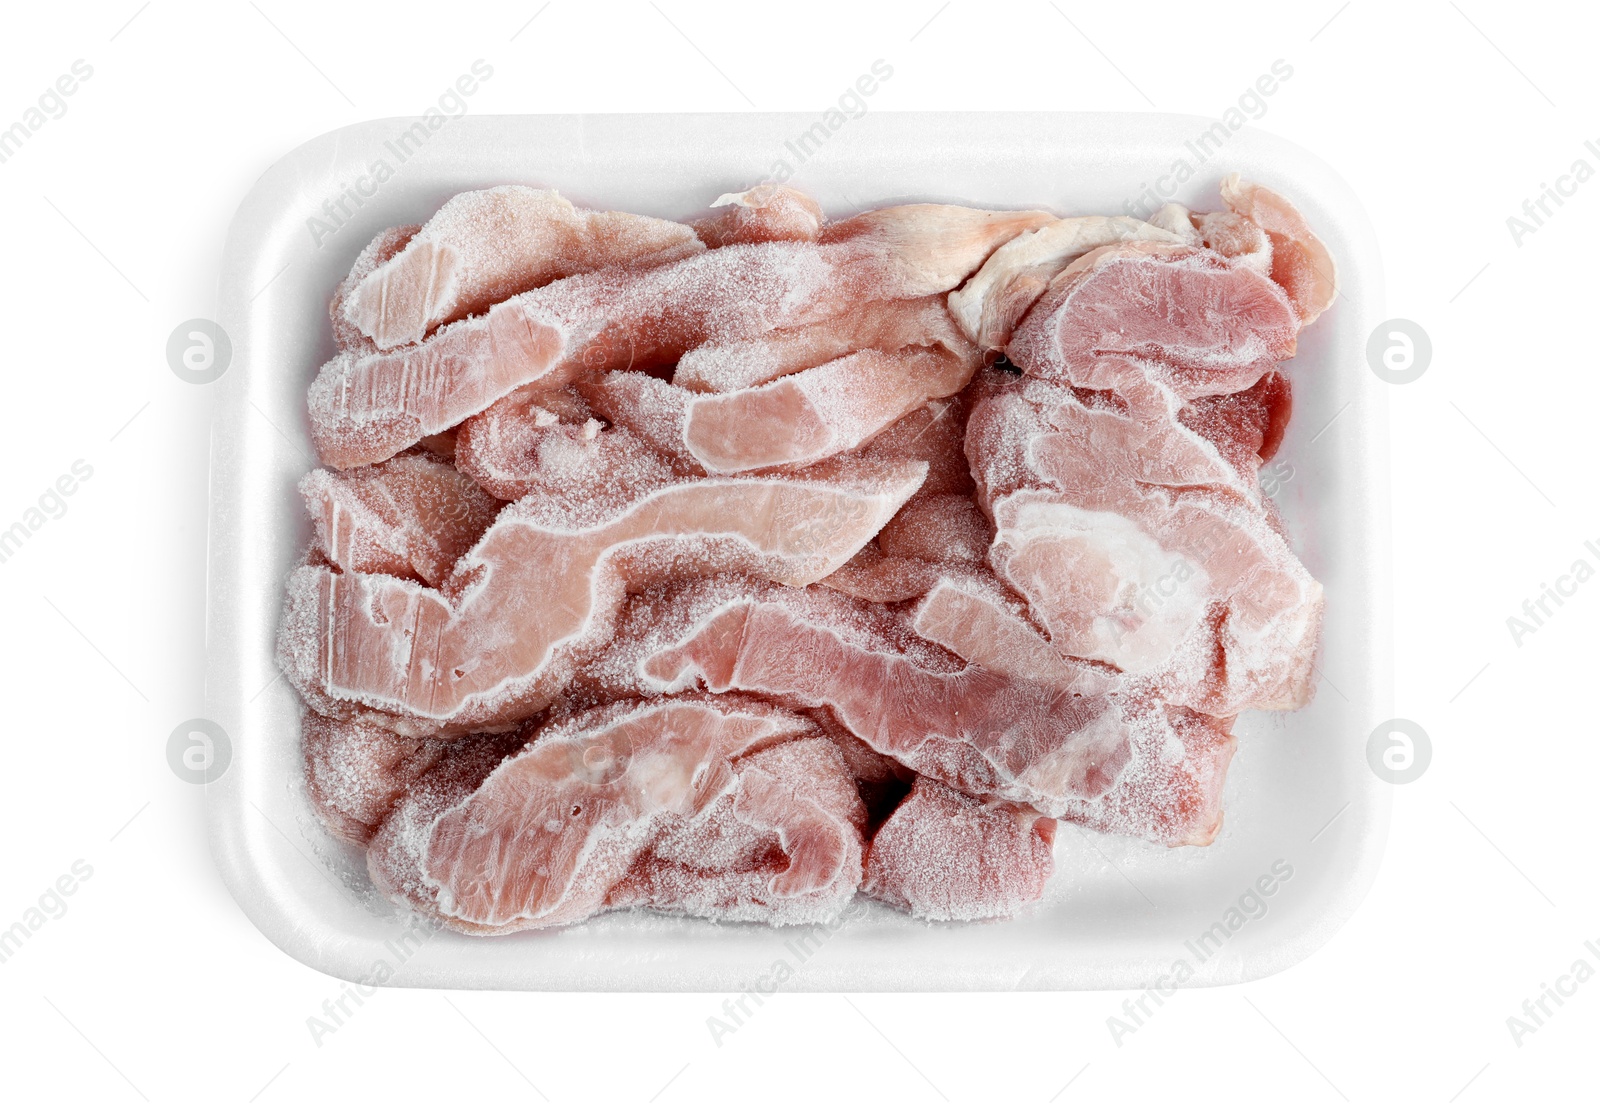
x,y
1245,428
367,408
821,411
975,616
1114,763
1301,264
520,446
346,334
546,837
1236,238
412,517
1182,317
782,843
539,593
930,534
767,212
945,856
932,530
884,324
1137,543
355,772
486,246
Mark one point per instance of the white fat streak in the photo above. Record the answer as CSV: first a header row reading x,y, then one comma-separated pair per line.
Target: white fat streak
x,y
1161,591
1055,245
882,507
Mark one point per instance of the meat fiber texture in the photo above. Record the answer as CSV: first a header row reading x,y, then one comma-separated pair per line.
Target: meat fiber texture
x,y
728,568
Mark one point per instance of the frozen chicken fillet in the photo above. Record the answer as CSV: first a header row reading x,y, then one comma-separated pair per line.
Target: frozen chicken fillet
x,y
1235,237
484,247
546,837
540,592
367,408
977,618
931,535
704,568
767,212
940,528
1247,427
945,856
412,517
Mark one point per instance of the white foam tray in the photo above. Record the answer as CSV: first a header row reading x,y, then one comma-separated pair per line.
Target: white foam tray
x,y
1119,913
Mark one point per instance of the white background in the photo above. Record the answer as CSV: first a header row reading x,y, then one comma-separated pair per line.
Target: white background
x,y
1443,117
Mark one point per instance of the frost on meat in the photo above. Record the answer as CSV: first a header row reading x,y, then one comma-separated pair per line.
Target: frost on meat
x,y
366,408
945,856
538,592
1114,763
486,246
691,805
705,568
412,517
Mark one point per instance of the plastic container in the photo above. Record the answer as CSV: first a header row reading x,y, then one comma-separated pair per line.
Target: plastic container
x,y
1306,818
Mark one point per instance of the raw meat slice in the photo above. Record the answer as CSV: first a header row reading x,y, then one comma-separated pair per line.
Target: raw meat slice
x,y
485,246
1185,318
413,516
519,446
767,212
792,422
1115,763
1111,444
355,772
945,856
873,577
1136,543
913,552
652,409
1300,262
346,334
933,434
989,305
922,249
1245,428
819,412
881,782
781,844
367,408
886,324
940,528
539,593
542,838
975,617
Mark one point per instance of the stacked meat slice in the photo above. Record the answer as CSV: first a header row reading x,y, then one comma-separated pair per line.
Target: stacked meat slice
x,y
730,569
